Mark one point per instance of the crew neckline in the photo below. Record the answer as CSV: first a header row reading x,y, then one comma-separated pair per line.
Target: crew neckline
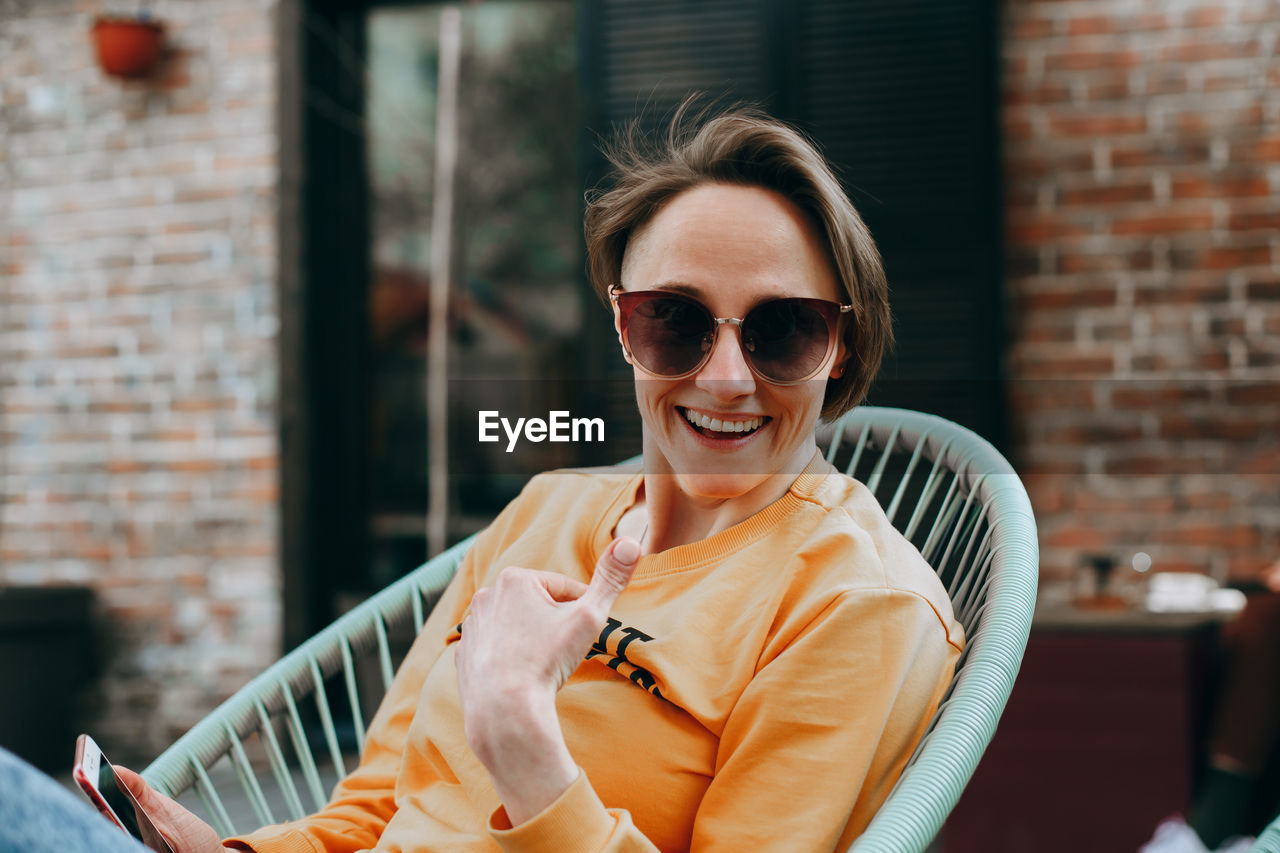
x,y
803,490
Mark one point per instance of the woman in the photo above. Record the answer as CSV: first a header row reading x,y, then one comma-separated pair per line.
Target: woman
x,y
762,649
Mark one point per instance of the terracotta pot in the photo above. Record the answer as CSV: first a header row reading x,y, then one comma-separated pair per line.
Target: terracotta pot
x,y
127,47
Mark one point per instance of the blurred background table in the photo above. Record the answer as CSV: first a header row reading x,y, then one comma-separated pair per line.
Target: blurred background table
x,y
1102,736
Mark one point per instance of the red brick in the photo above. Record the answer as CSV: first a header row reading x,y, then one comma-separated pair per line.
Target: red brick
x,y
1107,194
1155,224
1026,29
1209,501
1076,297
1220,257
1110,89
178,435
1207,51
1180,152
205,404
1236,186
1094,126
1167,80
1163,362
1051,467
1047,333
1263,462
1183,293
1090,60
1033,228
1258,289
1082,537
181,257
1214,536
1202,121
1258,220
1072,262
1014,128
205,194
1093,25
1227,83
1226,326
1205,16
1246,394
1063,365
1091,434
1225,426
1265,150
196,465
1030,163
1262,358
1155,464
1089,501
1027,396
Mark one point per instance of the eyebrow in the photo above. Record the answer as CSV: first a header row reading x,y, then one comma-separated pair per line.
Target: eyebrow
x,y
677,286
680,287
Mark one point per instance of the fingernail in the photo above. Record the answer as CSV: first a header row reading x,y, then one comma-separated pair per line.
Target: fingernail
x,y
626,551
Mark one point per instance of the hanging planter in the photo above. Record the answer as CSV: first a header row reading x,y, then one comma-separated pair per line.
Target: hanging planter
x,y
128,46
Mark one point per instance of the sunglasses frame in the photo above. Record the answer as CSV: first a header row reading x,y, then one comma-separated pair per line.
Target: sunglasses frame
x,y
830,311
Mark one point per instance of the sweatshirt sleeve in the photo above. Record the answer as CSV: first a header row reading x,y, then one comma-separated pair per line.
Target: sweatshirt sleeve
x,y
826,726
364,801
811,749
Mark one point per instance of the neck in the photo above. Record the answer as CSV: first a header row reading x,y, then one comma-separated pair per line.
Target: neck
x,y
677,514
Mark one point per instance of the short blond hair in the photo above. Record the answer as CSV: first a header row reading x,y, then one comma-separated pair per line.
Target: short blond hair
x,y
745,146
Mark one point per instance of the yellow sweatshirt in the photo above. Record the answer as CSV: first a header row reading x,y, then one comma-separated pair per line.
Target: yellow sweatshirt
x,y
758,690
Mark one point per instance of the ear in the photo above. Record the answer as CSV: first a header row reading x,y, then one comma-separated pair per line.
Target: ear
x,y
843,354
617,327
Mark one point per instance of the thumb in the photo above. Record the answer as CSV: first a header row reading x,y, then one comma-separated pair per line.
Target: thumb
x,y
613,572
154,803
142,792
167,825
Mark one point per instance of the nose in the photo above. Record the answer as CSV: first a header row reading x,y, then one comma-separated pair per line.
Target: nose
x,y
726,375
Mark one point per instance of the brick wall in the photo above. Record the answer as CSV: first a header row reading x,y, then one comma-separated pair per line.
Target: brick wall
x,y
138,325
1142,166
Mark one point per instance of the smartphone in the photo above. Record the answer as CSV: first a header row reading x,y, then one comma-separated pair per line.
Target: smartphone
x,y
97,778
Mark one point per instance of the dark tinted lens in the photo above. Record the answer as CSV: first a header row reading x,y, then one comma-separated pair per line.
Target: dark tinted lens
x,y
786,339
669,335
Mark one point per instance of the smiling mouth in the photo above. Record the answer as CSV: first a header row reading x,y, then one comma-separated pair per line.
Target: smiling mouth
x,y
717,428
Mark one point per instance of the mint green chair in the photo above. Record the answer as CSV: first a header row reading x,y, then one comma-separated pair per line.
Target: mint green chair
x,y
945,488
1268,841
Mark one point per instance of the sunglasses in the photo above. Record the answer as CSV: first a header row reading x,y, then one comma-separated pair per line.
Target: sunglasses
x,y
784,341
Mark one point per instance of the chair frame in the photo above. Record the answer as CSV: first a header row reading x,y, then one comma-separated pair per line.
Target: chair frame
x,y
985,519
1268,841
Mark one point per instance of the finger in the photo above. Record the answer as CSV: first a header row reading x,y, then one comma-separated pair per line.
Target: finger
x,y
613,572
179,828
137,786
561,587
148,799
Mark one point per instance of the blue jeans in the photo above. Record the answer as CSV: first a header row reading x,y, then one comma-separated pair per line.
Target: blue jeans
x,y
37,815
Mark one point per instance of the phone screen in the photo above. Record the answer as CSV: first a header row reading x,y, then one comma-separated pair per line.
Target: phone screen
x,y
121,804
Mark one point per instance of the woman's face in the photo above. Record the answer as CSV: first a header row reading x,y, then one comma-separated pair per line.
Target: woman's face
x,y
730,247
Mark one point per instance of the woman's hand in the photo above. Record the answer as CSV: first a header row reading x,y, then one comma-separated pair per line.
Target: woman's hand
x,y
185,832
521,640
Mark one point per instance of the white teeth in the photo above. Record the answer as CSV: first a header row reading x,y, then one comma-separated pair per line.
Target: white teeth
x,y
718,425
